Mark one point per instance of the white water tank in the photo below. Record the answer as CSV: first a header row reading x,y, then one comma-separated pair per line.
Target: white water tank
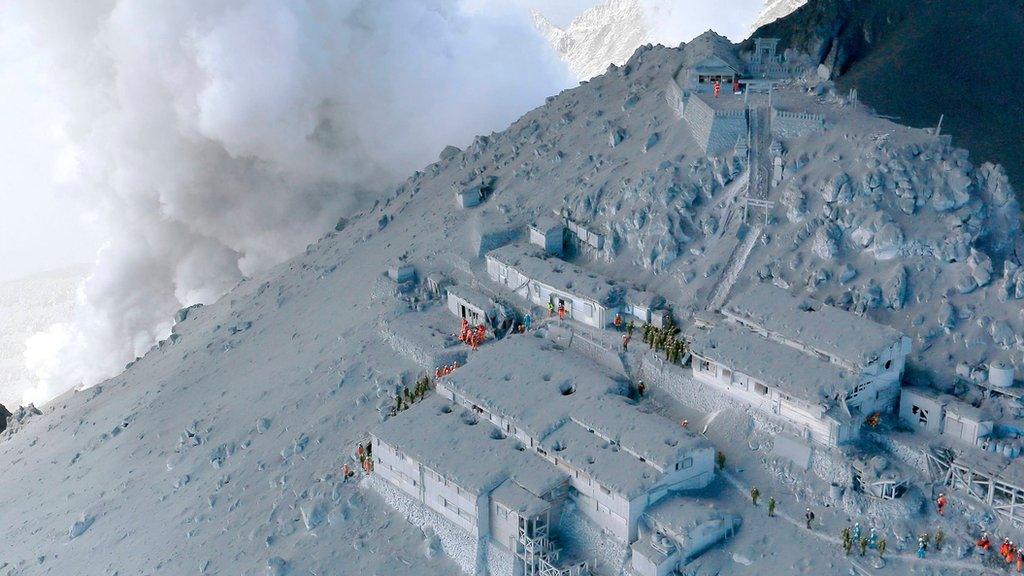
x,y
1000,374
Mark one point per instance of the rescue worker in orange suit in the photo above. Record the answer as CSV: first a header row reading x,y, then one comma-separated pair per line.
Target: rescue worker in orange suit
x,y
1004,548
625,342
941,503
984,543
736,86
465,330
561,311
718,88
1020,560
618,321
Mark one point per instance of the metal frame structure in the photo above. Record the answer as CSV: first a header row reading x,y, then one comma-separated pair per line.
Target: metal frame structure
x,y
985,485
538,554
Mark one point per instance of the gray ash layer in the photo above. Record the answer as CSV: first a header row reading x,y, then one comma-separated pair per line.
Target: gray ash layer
x,y
224,444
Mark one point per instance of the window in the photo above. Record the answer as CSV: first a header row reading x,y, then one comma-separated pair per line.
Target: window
x,y
704,366
921,413
888,364
605,490
686,463
760,389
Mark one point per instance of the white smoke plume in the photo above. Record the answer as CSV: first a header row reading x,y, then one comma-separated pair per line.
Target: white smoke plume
x,y
216,138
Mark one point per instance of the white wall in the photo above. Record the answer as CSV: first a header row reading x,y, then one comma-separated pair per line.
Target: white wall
x,y
582,310
476,314
805,419
444,497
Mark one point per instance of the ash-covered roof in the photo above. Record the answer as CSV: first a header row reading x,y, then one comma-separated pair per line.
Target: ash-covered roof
x,y
477,457
711,47
514,497
554,395
472,296
851,338
559,274
801,375
546,223
682,513
690,520
525,379
608,464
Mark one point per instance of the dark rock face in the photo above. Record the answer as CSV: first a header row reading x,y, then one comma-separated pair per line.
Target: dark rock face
x,y
919,60
4,415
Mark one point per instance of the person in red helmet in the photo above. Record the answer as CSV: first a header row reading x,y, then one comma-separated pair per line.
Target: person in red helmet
x,y
561,311
941,503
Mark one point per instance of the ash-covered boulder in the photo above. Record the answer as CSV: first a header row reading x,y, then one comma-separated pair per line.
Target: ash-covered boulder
x,y
888,241
1002,334
955,193
616,136
895,290
868,297
826,241
947,316
846,273
995,190
1011,286
965,283
981,267
651,142
838,189
795,201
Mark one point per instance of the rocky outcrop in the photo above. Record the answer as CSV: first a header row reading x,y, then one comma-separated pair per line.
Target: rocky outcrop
x,y
857,42
4,415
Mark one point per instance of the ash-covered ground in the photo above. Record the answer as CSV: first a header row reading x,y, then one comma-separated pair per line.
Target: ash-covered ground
x,y
219,452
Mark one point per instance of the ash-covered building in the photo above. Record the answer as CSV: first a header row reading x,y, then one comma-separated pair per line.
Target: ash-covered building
x,y
524,428
587,297
817,368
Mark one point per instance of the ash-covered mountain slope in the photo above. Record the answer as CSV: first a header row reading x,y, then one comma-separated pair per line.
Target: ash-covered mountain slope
x,y
920,60
220,451
606,33
775,9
